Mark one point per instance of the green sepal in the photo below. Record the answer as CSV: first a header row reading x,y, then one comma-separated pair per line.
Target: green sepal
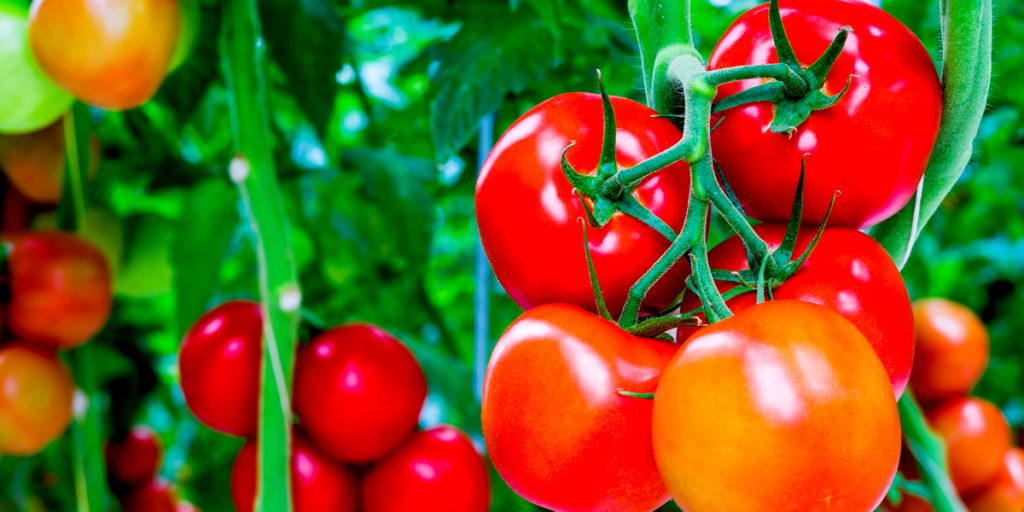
x,y
606,166
790,113
630,394
595,285
785,250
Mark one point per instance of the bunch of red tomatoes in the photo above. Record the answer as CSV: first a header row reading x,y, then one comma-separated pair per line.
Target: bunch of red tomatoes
x,y
133,461
358,392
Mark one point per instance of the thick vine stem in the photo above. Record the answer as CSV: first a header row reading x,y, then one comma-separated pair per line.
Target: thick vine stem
x,y
254,173
663,32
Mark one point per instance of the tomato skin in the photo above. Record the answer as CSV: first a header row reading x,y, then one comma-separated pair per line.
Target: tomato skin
x,y
523,200
785,385
112,55
437,470
36,393
977,437
318,483
952,350
862,146
56,275
219,367
849,273
1005,493
34,162
154,496
556,427
358,392
135,459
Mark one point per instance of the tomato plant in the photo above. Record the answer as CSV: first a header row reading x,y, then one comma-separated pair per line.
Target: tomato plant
x,y
785,385
1004,493
523,200
862,146
35,398
952,350
977,438
136,458
554,420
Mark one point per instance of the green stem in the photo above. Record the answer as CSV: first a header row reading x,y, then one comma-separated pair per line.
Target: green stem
x,y
663,32
792,81
254,172
930,453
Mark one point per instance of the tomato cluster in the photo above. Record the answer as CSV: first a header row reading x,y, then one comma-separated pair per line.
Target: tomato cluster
x,y
133,462
357,396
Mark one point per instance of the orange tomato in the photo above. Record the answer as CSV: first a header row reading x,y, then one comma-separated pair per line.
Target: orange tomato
x,y
36,393
1006,492
952,350
34,162
977,437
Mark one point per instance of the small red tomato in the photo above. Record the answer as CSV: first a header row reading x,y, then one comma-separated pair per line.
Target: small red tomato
x,y
319,484
36,393
977,438
849,273
34,162
556,427
782,407
219,367
358,392
154,496
952,350
60,289
1006,492
523,200
437,470
136,458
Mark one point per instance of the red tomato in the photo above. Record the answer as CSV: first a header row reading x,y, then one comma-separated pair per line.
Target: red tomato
x,y
135,459
523,201
358,392
782,407
977,437
849,273
952,350
318,483
112,54
438,470
219,367
863,146
1006,492
36,393
154,496
34,162
57,276
555,425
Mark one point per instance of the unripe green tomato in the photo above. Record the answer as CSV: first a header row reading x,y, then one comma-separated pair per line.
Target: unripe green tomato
x,y
30,100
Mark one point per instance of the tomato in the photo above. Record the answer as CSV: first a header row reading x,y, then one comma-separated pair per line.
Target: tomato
x,y
863,146
134,459
112,55
32,101
219,367
437,470
36,392
56,275
153,496
782,407
358,391
847,272
977,437
556,427
529,217
952,350
1005,493
34,162
318,483
102,229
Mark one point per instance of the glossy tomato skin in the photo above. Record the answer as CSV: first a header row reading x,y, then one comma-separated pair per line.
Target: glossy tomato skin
x,y
358,392
113,54
319,484
786,397
57,276
153,496
953,350
36,393
977,437
1005,493
436,470
219,367
863,146
847,272
529,217
556,427
135,459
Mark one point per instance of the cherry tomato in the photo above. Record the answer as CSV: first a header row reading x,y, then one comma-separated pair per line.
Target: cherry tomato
x,y
358,392
863,146
977,437
112,55
32,100
153,496
952,350
34,162
135,459
319,484
555,424
1006,492
782,407
524,201
36,392
219,367
438,470
53,276
847,272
